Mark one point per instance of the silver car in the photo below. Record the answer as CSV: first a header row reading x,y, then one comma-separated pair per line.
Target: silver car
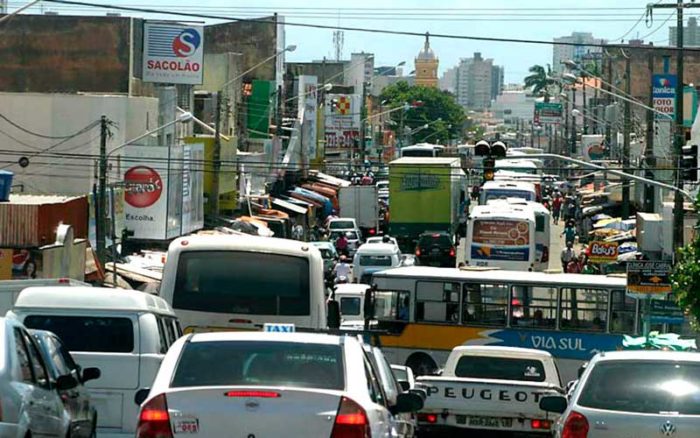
x,y
629,394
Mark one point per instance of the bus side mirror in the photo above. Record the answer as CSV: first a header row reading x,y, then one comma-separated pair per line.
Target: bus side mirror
x,y
333,314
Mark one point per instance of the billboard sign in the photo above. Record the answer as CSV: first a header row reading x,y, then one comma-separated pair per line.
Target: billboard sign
x,y
501,240
648,279
146,191
593,147
342,124
308,105
664,95
547,113
173,53
602,252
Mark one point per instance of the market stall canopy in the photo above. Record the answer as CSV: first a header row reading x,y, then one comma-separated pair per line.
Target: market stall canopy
x,y
329,179
289,207
659,341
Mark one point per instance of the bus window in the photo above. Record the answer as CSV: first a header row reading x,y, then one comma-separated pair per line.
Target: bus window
x,y
534,306
437,302
623,311
584,309
485,304
392,305
539,222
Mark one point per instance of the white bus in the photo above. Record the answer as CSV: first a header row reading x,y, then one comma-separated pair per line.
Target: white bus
x,y
216,282
423,150
433,310
501,236
528,166
542,228
507,189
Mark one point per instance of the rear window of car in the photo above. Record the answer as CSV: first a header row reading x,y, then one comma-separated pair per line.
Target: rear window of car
x,y
88,333
500,368
646,387
375,260
341,225
435,239
350,306
250,363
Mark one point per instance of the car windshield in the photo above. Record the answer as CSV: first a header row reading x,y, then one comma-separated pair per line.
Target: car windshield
x,y
341,225
326,253
647,387
350,306
483,367
434,240
252,363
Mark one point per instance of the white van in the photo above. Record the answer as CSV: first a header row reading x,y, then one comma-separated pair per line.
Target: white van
x,y
124,333
351,298
373,257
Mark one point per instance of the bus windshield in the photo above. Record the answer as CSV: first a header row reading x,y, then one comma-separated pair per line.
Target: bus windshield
x,y
492,194
230,282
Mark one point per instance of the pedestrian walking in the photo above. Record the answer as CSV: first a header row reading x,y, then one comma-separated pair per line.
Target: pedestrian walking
x,y
475,192
556,208
569,232
567,255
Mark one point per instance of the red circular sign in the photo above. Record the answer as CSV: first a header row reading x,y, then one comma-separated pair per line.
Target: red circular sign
x,y
143,186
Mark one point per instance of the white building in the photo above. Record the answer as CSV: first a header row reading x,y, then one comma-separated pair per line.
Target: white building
x,y
474,79
576,52
691,34
359,70
513,105
448,81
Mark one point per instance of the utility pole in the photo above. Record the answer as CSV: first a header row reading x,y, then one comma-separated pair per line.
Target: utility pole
x,y
101,201
217,156
649,160
585,115
626,141
608,103
573,120
363,123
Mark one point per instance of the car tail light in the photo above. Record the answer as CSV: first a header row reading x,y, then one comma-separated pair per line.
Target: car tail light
x,y
575,426
417,252
452,252
351,421
540,424
154,420
545,254
372,231
428,418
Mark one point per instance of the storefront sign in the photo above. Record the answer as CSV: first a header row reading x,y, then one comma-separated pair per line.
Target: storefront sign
x,y
602,252
342,124
648,279
173,53
546,113
664,95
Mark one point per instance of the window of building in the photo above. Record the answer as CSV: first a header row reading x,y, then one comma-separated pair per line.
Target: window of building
x,y
437,302
534,306
584,309
484,304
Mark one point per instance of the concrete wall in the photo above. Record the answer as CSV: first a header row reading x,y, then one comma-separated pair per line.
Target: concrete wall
x,y
56,170
66,54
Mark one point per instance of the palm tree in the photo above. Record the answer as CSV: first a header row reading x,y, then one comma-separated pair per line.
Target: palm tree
x,y
539,80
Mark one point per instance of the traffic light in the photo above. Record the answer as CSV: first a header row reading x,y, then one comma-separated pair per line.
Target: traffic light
x,y
489,164
498,149
689,163
482,148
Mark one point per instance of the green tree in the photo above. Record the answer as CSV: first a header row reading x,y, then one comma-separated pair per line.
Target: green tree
x,y
426,105
686,276
540,81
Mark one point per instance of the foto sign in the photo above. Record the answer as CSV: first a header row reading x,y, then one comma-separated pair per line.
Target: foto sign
x,y
173,53
603,252
648,279
664,95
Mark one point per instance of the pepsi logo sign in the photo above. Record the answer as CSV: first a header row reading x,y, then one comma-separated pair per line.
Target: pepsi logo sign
x,y
144,186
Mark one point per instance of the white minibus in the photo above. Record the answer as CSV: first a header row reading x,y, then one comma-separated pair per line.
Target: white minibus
x,y
507,189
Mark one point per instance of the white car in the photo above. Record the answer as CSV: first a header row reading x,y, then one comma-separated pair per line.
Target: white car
x,y
382,239
632,394
30,404
262,384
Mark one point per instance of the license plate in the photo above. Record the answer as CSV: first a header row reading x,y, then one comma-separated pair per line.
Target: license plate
x,y
435,251
495,422
187,426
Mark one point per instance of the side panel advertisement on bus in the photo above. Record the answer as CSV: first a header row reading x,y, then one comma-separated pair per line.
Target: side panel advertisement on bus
x,y
507,240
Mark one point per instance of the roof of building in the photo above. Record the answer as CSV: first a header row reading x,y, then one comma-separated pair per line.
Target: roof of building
x,y
40,199
426,53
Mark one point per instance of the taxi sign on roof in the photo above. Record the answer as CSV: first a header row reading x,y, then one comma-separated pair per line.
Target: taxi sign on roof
x,y
279,328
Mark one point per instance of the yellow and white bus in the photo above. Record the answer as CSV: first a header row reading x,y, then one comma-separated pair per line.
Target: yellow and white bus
x,y
220,282
433,310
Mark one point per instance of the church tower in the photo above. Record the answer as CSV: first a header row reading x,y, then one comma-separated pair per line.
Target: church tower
x,y
427,66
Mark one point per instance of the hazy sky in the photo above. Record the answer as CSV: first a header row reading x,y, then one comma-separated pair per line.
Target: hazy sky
x,y
532,19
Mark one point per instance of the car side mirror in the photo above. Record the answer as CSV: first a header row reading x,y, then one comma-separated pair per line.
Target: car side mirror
x,y
408,402
419,392
405,386
64,383
141,395
91,373
333,315
554,403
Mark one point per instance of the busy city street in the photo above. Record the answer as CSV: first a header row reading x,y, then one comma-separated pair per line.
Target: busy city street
x,y
386,219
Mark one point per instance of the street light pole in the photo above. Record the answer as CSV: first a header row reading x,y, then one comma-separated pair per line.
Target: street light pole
x,y
680,134
626,141
573,120
101,201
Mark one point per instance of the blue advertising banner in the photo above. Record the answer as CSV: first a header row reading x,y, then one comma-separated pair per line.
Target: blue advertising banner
x,y
664,95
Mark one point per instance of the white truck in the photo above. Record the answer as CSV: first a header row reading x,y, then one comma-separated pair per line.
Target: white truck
x,y
490,388
360,202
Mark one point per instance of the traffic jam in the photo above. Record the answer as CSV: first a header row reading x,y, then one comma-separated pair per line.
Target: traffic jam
x,y
429,302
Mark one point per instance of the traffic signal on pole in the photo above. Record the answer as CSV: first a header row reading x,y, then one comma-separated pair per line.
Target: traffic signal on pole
x,y
689,163
498,149
482,148
489,165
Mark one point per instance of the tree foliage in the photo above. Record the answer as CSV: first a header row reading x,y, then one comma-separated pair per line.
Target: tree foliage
x,y
434,104
686,276
540,80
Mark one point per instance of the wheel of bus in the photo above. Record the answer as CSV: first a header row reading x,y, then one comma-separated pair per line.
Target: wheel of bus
x,y
421,364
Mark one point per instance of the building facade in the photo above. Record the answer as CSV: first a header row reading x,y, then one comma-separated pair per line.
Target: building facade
x,y
427,66
497,74
448,81
576,46
691,34
474,82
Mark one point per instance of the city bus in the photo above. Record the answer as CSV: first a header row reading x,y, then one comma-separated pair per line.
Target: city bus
x,y
527,166
507,189
423,150
542,228
433,310
222,282
503,236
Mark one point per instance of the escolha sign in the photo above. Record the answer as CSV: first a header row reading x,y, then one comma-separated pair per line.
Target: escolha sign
x,y
173,53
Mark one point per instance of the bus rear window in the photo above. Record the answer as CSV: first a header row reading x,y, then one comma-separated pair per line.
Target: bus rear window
x,y
232,282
